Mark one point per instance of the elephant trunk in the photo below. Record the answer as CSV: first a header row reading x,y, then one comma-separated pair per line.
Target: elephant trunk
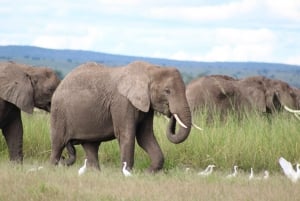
x,y
185,121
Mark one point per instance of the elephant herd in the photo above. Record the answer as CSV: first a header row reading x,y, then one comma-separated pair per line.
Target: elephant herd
x,y
95,103
224,94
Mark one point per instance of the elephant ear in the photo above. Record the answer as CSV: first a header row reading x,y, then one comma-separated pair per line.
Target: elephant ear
x,y
15,87
134,84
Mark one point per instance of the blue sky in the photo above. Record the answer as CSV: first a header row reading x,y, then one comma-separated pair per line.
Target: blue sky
x,y
202,30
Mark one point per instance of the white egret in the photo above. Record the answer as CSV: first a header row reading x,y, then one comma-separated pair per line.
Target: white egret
x,y
126,173
251,174
204,171
82,170
234,172
288,169
187,170
266,174
35,169
298,170
208,170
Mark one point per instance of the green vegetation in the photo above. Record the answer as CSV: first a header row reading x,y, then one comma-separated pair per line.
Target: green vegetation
x,y
255,141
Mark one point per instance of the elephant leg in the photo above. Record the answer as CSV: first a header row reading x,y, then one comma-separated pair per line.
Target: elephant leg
x,y
91,151
57,148
13,134
58,136
126,143
147,141
72,154
56,154
125,121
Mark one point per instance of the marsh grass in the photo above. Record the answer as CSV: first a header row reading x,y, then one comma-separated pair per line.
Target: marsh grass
x,y
61,183
255,141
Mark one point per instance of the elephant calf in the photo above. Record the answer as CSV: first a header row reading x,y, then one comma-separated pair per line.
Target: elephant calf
x,y
94,104
22,87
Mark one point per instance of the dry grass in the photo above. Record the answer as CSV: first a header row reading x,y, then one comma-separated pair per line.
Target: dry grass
x,y
60,183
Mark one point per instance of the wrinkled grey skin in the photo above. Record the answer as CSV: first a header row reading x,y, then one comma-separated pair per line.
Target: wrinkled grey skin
x,y
22,87
215,93
94,104
296,92
223,94
268,95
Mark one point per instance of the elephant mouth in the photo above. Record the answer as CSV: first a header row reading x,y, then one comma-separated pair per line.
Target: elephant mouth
x,y
168,114
46,107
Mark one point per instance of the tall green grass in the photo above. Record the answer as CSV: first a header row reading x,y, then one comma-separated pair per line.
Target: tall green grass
x,y
255,141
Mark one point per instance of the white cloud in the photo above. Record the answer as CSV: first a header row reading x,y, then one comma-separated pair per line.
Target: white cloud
x,y
233,45
62,41
252,52
294,60
289,9
244,36
219,30
202,13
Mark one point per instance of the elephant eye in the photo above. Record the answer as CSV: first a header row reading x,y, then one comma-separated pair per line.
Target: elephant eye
x,y
167,91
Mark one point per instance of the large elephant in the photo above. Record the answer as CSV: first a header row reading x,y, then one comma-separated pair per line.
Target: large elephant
x,y
267,95
255,96
215,93
22,87
95,103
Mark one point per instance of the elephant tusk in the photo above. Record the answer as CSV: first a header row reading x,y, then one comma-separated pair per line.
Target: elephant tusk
x,y
197,127
179,121
166,118
297,116
291,110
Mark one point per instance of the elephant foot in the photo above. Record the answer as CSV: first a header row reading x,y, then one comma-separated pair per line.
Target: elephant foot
x,y
94,166
66,162
17,159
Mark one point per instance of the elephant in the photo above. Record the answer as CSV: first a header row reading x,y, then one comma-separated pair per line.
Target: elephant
x,y
296,109
296,92
285,93
268,95
22,88
95,103
215,93
255,95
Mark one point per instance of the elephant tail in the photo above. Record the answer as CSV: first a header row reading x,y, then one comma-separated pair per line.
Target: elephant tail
x,y
72,154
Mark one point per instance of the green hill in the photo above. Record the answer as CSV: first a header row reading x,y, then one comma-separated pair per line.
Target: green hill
x,y
66,60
